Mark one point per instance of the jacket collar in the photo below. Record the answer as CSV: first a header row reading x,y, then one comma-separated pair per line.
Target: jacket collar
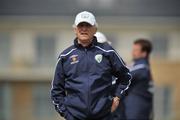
x,y
141,61
93,43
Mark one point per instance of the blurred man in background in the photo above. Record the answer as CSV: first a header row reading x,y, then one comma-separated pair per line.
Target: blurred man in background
x,y
138,104
81,89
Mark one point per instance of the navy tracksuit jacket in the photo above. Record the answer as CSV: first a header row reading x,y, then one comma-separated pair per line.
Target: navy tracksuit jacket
x,y
138,104
82,83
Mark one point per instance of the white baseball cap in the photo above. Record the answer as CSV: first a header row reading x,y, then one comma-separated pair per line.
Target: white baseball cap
x,y
101,38
85,17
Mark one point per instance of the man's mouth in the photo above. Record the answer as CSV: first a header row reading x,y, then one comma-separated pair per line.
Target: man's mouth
x,y
84,34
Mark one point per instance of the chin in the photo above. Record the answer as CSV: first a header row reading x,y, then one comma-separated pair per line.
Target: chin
x,y
85,39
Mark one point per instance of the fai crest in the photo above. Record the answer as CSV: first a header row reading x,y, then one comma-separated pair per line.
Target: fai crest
x,y
98,58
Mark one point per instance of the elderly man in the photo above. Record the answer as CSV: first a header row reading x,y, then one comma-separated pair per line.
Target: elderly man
x,y
81,88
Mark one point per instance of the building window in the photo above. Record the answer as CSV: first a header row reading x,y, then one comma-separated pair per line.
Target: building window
x,y
160,45
42,107
163,103
45,50
4,49
174,46
2,117
5,102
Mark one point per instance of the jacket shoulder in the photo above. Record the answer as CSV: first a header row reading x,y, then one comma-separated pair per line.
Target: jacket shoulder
x,y
104,46
67,51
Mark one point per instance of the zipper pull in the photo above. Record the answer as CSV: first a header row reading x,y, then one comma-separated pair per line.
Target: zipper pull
x,y
86,50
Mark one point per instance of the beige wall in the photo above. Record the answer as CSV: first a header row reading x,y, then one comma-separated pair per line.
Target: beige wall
x,y
166,73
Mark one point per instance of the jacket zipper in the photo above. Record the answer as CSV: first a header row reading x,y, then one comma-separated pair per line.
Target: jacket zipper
x,y
88,101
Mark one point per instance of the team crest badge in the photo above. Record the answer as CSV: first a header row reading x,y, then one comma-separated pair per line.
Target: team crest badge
x,y
74,59
98,58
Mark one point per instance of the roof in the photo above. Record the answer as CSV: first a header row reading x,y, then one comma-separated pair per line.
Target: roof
x,y
99,7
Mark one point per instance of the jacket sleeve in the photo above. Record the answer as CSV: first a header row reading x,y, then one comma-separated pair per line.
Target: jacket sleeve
x,y
122,73
140,74
57,90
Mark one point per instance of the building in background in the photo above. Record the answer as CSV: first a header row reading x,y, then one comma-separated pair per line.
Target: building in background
x,y
32,35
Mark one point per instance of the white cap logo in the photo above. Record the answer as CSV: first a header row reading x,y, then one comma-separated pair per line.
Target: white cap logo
x,y
84,16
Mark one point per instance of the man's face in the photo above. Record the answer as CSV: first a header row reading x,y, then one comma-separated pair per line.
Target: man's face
x,y
85,32
137,52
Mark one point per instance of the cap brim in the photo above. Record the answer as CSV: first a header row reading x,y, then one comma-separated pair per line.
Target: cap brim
x,y
85,22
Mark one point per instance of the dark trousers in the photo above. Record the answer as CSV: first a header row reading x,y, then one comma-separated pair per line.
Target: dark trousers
x,y
134,107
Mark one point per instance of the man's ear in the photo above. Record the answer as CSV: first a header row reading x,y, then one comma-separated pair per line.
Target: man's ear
x,y
95,30
144,54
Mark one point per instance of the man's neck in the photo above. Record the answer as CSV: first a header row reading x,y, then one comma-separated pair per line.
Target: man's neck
x,y
85,44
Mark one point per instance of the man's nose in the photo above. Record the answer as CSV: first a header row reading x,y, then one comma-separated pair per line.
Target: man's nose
x,y
84,28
